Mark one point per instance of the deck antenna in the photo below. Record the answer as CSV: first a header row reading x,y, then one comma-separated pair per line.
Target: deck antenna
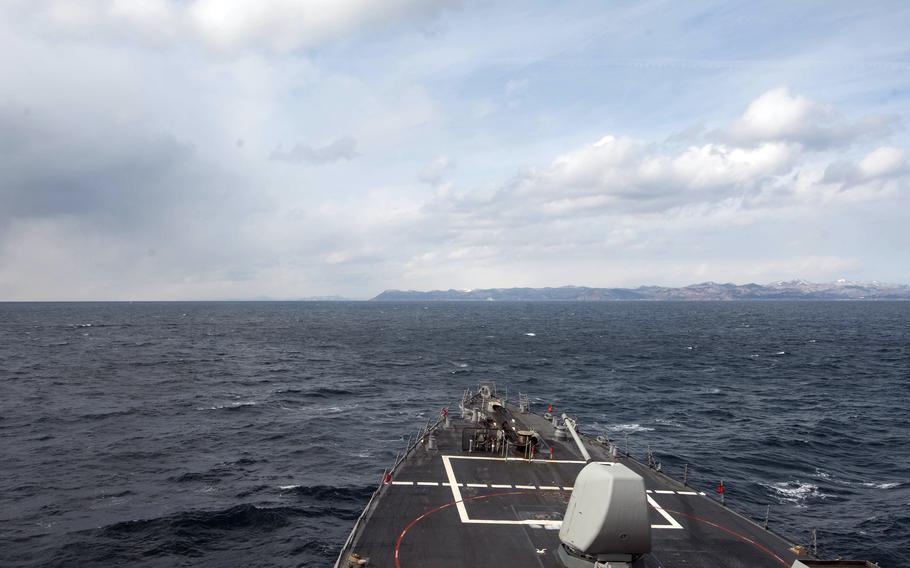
x,y
686,475
767,514
814,542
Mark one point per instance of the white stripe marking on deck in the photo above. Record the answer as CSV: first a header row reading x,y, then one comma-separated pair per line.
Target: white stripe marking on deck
x,y
456,492
524,460
525,522
540,487
671,522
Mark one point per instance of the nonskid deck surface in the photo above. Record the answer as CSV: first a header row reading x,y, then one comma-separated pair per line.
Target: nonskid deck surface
x,y
448,508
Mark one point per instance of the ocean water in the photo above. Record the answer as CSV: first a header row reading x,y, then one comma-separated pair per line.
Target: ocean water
x,y
252,434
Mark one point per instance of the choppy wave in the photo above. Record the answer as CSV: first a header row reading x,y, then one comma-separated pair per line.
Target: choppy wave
x,y
301,406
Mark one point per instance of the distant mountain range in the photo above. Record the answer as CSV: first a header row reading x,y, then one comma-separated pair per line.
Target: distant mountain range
x,y
791,290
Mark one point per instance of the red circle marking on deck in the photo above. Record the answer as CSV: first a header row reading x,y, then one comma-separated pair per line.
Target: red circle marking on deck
x,y
732,532
419,518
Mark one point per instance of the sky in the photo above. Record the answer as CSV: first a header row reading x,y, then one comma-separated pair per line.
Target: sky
x,y
221,149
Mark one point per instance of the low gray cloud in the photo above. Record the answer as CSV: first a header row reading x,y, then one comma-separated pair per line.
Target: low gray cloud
x,y
342,149
111,173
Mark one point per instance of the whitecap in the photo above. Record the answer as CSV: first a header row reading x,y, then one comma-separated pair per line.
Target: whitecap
x,y
231,405
287,487
629,428
891,485
796,491
529,334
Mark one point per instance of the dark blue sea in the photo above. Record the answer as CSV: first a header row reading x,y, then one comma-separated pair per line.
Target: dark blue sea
x,y
252,434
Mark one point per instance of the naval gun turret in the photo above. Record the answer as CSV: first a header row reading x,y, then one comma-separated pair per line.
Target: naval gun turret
x,y
606,522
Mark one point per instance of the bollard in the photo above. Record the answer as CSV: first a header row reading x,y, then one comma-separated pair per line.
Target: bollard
x,y
431,442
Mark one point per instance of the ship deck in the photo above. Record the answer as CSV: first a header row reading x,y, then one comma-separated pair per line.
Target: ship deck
x,y
446,508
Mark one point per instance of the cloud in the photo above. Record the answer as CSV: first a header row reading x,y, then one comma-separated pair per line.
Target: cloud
x,y
627,176
433,172
116,175
877,170
342,149
289,24
121,175
618,177
781,116
622,197
226,25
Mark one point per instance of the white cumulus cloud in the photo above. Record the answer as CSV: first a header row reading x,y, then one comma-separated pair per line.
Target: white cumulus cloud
x,y
779,115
